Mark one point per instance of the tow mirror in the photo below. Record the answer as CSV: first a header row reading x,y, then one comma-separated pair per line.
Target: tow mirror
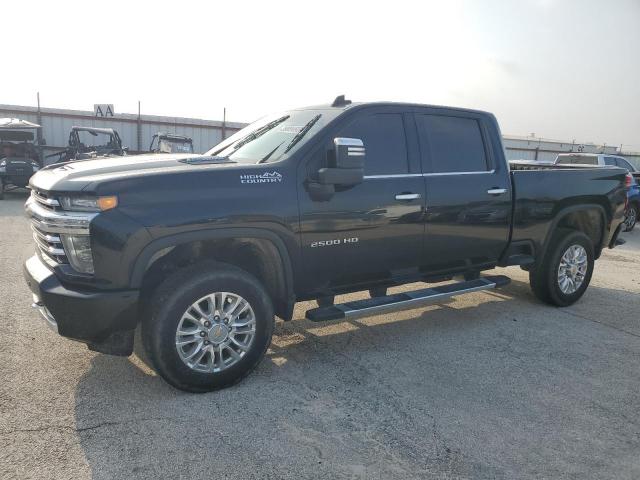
x,y
350,153
346,165
345,168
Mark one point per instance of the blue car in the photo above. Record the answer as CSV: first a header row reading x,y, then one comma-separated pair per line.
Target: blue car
x,y
633,206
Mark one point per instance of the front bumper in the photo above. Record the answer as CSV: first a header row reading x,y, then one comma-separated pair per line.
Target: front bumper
x,y
104,320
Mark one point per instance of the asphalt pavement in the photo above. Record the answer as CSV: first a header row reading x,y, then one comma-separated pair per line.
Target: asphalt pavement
x,y
487,385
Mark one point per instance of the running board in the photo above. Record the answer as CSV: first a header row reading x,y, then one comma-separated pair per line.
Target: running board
x,y
403,301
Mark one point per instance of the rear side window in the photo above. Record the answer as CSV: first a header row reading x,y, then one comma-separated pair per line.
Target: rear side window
x,y
610,161
455,143
384,139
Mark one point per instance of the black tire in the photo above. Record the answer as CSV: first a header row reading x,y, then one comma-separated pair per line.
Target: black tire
x,y
544,277
1,190
174,296
631,218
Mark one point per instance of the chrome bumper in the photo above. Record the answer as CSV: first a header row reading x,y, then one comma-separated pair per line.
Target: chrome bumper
x,y
45,313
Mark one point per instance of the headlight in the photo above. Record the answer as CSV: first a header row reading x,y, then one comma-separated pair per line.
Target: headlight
x,y
78,250
89,204
3,166
35,166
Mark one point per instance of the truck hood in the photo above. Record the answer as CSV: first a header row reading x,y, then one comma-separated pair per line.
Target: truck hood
x,y
79,175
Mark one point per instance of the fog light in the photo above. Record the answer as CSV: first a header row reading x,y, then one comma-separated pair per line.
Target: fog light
x,y
78,250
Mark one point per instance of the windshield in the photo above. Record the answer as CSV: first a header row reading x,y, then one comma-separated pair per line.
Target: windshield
x,y
94,139
271,137
174,146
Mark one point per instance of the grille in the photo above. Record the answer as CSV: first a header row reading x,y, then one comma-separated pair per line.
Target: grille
x,y
49,221
47,243
44,200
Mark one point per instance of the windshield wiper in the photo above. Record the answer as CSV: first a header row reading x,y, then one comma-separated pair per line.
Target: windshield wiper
x,y
303,131
259,132
268,155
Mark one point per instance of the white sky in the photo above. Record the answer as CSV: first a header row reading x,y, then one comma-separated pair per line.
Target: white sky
x,y
562,69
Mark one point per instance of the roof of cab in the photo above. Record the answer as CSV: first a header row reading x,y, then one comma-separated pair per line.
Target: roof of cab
x,y
354,105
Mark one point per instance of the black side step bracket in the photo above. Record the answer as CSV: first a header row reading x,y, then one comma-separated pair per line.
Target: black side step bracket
x,y
403,301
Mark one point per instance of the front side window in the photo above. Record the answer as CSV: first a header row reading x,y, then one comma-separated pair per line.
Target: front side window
x,y
455,143
384,139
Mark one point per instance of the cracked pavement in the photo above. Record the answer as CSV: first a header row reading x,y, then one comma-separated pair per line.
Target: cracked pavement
x,y
488,385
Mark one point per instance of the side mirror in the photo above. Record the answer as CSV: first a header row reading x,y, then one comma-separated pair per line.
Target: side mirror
x,y
345,169
350,153
346,166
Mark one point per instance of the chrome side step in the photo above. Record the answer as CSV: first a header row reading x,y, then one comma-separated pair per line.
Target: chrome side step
x,y
403,301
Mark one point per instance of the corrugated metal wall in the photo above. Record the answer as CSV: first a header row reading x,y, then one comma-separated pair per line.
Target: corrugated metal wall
x,y
56,124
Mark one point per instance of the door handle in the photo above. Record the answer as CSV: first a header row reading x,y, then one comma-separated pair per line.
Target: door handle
x,y
496,191
407,196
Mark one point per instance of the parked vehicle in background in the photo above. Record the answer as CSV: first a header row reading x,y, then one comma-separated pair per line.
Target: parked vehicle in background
x,y
600,159
163,142
204,250
19,158
89,142
632,213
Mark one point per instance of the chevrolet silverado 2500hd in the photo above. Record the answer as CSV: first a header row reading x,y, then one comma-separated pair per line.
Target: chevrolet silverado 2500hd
x,y
204,250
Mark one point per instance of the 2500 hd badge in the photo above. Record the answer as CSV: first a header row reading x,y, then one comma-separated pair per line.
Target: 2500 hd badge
x,y
337,241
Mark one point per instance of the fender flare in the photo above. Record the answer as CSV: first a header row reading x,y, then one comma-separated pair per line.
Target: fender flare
x,y
566,211
141,263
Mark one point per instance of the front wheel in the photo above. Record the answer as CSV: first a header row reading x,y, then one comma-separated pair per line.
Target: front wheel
x,y
631,217
209,326
565,272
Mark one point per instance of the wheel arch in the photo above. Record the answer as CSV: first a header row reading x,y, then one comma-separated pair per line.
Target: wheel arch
x,y
258,251
580,217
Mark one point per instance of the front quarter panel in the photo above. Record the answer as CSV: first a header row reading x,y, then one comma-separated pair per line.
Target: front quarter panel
x,y
243,196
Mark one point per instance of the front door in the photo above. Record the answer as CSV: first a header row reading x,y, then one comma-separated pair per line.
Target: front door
x,y
373,230
468,207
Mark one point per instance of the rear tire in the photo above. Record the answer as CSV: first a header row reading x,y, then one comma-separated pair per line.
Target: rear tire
x,y
545,279
174,301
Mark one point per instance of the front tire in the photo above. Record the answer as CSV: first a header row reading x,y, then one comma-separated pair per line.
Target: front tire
x,y
566,270
209,326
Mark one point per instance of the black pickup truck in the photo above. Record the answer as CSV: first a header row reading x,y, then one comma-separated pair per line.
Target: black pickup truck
x,y
204,250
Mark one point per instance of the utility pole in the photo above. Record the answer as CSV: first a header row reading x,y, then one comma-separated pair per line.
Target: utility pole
x,y
224,123
39,131
139,133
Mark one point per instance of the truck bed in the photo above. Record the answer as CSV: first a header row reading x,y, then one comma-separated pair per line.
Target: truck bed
x,y
541,191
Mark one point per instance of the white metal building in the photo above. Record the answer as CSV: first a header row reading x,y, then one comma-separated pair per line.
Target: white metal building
x,y
135,131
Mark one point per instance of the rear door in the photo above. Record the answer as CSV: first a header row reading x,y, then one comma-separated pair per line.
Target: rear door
x,y
468,207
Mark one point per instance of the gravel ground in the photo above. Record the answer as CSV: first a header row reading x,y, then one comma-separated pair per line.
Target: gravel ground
x,y
488,385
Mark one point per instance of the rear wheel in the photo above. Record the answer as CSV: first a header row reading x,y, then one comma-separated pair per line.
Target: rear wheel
x,y
209,327
631,217
1,189
565,272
